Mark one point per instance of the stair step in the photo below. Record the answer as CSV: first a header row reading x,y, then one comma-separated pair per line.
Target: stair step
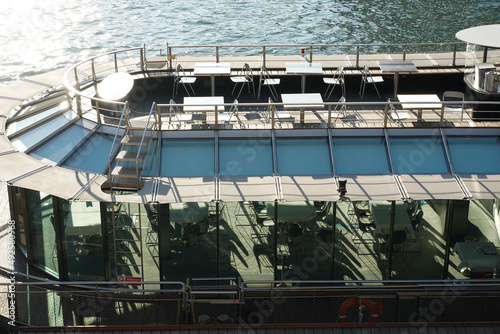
x,y
140,124
130,156
125,172
134,140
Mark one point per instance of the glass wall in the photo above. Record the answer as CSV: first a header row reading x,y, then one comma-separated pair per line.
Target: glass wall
x,y
83,239
253,240
43,240
474,239
193,241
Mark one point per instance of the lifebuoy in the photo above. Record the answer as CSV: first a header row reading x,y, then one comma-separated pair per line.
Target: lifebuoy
x,y
375,309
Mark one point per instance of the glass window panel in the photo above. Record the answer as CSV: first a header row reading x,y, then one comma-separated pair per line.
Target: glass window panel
x,y
475,240
93,155
245,157
475,155
418,156
187,158
246,241
19,216
42,231
303,157
150,165
64,143
360,156
35,135
193,243
84,242
21,124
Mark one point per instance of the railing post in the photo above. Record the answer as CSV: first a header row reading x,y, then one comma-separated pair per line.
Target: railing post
x,y
404,52
441,121
329,116
263,56
169,57
357,55
93,71
116,62
98,111
385,114
310,53
143,57
77,96
158,117
454,61
216,54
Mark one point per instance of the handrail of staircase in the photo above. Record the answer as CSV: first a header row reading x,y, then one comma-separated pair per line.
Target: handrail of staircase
x,y
124,111
151,111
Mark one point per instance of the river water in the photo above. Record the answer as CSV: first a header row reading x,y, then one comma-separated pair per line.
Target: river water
x,y
37,36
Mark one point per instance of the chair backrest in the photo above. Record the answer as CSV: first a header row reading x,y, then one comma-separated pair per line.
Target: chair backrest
x,y
453,96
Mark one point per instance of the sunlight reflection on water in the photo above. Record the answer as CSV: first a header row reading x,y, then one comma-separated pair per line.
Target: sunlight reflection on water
x,y
38,36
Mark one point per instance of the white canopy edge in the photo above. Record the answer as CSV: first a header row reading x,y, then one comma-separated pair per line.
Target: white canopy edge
x,y
487,35
247,188
482,186
432,186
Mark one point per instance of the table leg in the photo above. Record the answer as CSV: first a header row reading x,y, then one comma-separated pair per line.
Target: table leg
x,y
212,84
419,115
303,84
396,83
301,115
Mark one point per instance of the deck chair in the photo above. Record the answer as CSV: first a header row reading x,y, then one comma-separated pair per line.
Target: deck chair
x,y
367,78
266,80
336,80
244,77
226,117
179,115
396,115
455,108
180,77
340,110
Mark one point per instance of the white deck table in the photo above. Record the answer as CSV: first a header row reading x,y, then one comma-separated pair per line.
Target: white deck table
x,y
212,69
203,104
479,257
396,67
302,101
304,68
116,86
419,102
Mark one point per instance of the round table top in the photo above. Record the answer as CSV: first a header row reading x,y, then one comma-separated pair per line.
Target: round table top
x,y
115,86
488,35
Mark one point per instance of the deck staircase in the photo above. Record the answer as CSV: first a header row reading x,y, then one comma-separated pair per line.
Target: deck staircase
x,y
129,153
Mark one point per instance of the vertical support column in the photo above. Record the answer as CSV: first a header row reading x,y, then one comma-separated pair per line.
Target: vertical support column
x,y
217,217
390,242
164,237
334,239
450,208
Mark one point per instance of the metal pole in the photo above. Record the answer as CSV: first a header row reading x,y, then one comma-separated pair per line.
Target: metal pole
x,y
390,242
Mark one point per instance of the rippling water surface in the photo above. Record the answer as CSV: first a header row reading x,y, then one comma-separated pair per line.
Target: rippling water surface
x,y
36,36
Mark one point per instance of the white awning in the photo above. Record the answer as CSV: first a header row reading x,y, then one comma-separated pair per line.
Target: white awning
x,y
247,188
434,186
372,188
482,186
308,188
487,35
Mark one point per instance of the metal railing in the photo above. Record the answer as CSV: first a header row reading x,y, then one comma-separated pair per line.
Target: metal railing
x,y
81,79
249,303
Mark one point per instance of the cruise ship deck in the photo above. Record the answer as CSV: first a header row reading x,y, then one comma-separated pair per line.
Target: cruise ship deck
x,y
209,211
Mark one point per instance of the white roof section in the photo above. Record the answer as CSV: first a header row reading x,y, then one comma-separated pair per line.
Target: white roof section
x,y
488,35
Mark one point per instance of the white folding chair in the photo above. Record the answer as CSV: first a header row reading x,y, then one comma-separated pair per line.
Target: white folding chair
x,y
336,80
452,96
179,115
367,78
395,114
244,77
180,77
266,80
340,110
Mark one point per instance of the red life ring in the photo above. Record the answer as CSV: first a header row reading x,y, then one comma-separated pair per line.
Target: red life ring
x,y
375,309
